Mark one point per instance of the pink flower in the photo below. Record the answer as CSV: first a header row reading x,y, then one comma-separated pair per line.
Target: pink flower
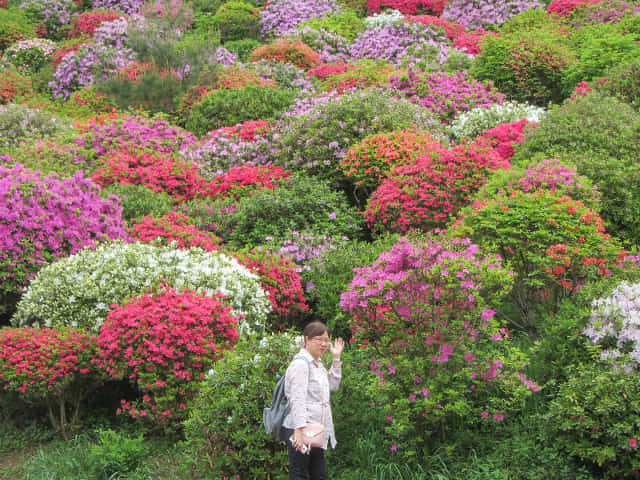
x,y
394,447
633,442
484,415
498,416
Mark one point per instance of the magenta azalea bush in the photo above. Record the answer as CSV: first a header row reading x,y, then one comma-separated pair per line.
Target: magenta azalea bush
x,y
43,218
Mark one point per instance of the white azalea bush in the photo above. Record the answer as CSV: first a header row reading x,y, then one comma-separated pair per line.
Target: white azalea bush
x,y
478,120
615,325
77,291
383,18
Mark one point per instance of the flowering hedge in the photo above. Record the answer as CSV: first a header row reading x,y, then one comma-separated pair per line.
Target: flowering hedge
x,y
421,310
427,193
50,367
282,283
242,181
173,227
43,218
164,343
78,290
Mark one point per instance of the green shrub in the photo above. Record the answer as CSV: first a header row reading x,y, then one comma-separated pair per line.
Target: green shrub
x,y
347,24
116,454
227,107
14,26
526,63
596,419
224,432
623,82
299,204
359,6
237,20
598,47
599,135
242,48
19,123
139,201
206,6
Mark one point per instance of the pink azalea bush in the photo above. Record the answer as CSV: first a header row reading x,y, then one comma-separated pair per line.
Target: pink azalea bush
x,y
43,218
408,7
504,137
243,180
50,367
566,7
164,342
173,227
420,310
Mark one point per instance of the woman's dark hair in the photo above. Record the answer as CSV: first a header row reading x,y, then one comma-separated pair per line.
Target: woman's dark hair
x,y
315,329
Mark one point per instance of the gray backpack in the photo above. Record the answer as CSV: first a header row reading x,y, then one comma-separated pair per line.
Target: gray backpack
x,y
272,417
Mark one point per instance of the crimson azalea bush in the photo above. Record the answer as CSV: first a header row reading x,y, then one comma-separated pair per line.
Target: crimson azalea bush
x,y
50,367
159,172
564,8
553,243
362,74
446,94
408,7
164,342
427,193
173,227
243,180
281,282
84,24
43,218
290,51
421,312
503,137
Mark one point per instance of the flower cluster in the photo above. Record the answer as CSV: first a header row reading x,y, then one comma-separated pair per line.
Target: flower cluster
x,y
45,218
307,250
408,7
112,34
329,45
173,228
482,13
343,76
291,51
29,54
425,194
243,180
125,6
86,23
164,342
614,324
504,136
78,290
14,87
565,7
158,172
383,18
282,283
54,14
606,11
480,119
280,17
462,38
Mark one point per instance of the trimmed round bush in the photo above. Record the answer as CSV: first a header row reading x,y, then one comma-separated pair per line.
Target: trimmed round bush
x,y
294,52
43,218
164,342
299,204
599,135
78,290
237,20
227,107
173,228
346,24
224,432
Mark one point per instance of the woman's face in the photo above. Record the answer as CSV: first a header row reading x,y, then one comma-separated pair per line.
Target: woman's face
x,y
318,345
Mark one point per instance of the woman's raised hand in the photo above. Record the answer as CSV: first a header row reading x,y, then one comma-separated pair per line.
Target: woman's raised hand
x,y
336,348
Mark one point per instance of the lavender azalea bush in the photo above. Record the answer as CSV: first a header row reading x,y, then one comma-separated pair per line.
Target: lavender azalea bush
x,y
607,11
29,55
283,16
112,34
331,46
54,14
124,6
481,13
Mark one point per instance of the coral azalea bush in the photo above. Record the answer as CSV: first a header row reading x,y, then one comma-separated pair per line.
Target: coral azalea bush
x,y
164,342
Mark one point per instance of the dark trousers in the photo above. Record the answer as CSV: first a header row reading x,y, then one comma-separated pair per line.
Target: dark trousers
x,y
306,466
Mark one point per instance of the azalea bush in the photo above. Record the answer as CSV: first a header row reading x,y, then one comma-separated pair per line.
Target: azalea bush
x,y
362,74
486,13
565,7
345,24
553,243
50,367
34,208
280,17
446,95
51,15
85,24
164,342
14,27
14,87
243,181
411,7
427,193
282,283
621,81
224,432
236,20
294,52
173,228
29,55
505,137
420,311
78,290
19,123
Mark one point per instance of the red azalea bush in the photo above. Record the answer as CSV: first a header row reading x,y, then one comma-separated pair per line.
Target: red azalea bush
x,y
462,38
14,86
164,343
243,180
368,162
426,194
173,227
282,283
159,172
247,131
50,367
408,7
291,51
327,70
565,7
84,24
504,136
342,76
553,243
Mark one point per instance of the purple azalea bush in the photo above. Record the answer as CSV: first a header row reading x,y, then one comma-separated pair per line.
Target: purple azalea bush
x,y
607,11
225,58
43,218
125,6
55,14
475,14
446,94
331,46
112,34
282,16
307,250
138,132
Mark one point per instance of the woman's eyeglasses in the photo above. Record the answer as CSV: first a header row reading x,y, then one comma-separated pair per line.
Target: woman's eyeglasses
x,y
322,341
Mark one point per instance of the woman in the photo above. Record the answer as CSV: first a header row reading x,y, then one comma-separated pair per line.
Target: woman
x,y
307,386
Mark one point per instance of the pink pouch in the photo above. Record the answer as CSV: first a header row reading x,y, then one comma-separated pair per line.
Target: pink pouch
x,y
313,435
